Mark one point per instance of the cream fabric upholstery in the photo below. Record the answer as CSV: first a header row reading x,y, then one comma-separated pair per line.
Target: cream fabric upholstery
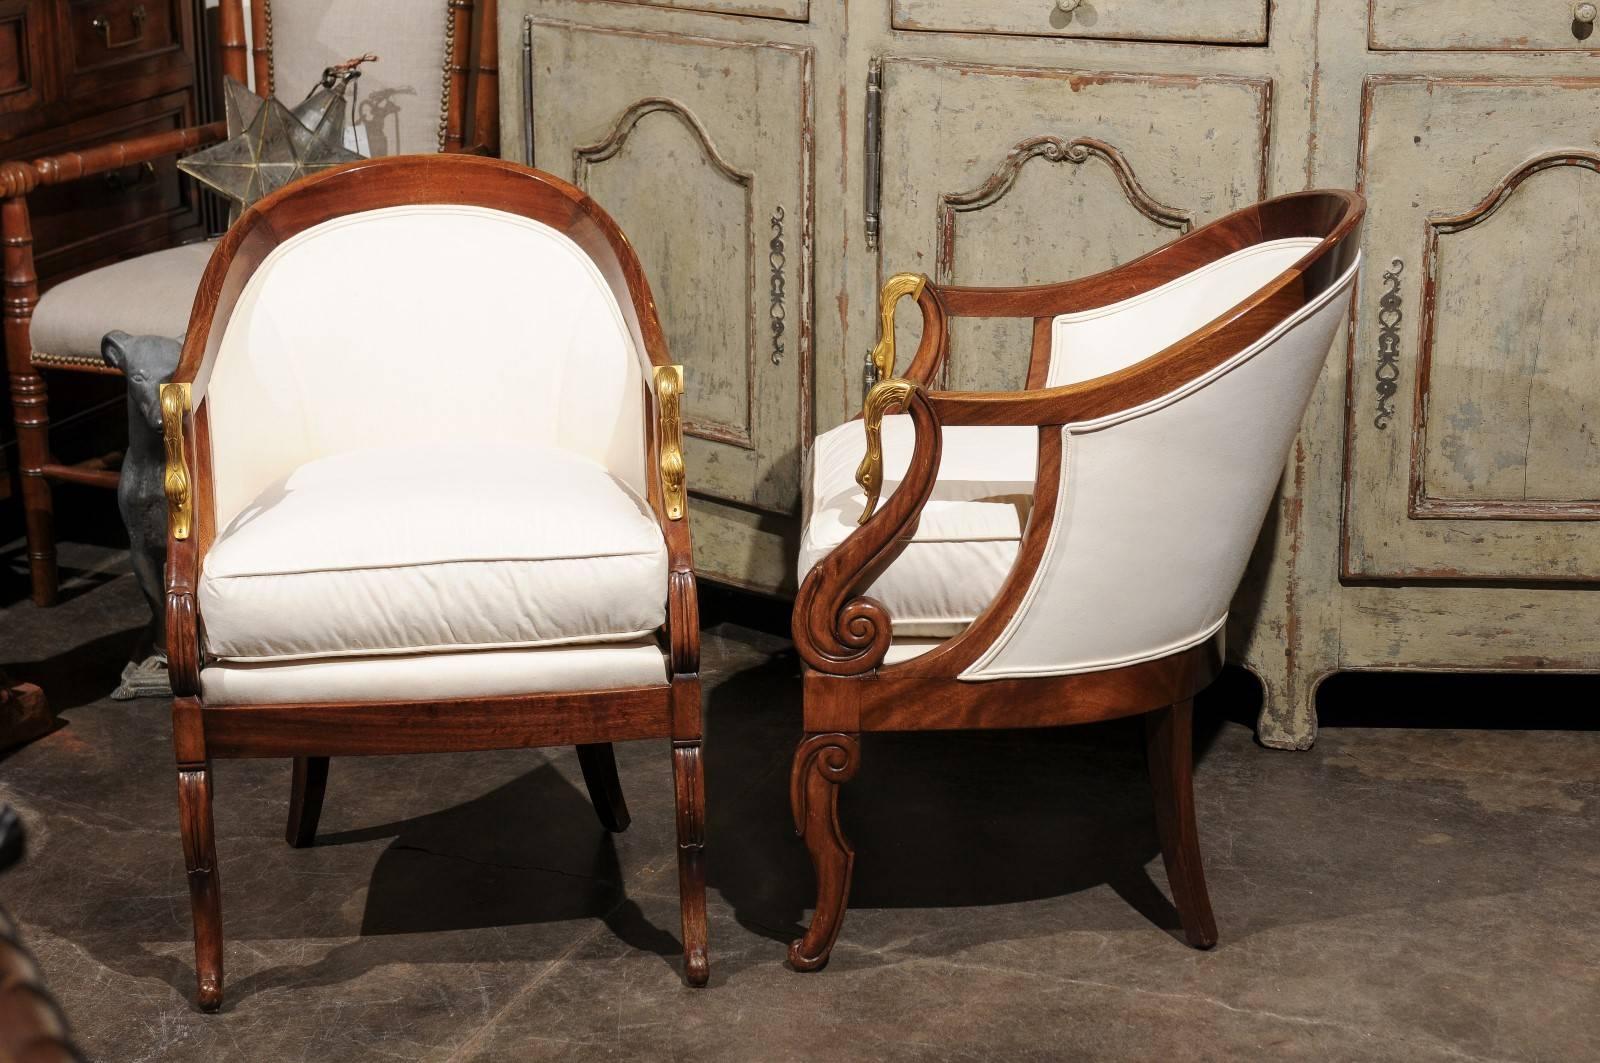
x,y
397,101
488,673
422,325
393,551
150,295
967,539
1095,342
1161,505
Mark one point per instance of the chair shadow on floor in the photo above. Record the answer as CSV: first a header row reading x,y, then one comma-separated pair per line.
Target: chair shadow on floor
x,y
947,820
527,852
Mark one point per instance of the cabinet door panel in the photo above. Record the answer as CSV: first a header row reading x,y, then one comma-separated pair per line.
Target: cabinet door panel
x,y
1478,25
1220,21
790,10
1045,175
701,151
1474,387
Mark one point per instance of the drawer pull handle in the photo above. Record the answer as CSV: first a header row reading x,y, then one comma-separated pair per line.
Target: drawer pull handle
x,y
1067,7
104,26
1585,13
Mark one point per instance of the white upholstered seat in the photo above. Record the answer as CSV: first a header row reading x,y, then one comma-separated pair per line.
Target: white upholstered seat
x,y
434,549
967,538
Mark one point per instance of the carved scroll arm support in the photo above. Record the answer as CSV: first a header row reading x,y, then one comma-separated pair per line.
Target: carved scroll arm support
x,y
669,494
838,630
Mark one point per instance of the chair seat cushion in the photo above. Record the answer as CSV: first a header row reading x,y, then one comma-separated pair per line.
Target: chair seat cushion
x,y
431,549
437,676
150,295
967,538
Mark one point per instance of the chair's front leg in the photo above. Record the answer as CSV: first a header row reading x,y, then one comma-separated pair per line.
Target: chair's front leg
x,y
205,883
821,764
689,787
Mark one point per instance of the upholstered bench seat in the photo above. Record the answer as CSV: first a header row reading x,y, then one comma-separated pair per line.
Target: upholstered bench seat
x,y
434,549
968,536
148,296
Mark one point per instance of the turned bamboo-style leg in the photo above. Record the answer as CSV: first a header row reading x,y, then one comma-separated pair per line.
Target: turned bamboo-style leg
x,y
821,764
29,407
1169,743
205,883
306,791
599,763
689,790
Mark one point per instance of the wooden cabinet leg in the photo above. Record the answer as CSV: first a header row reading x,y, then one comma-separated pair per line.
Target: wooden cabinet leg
x,y
599,763
1169,743
821,764
205,883
689,790
306,791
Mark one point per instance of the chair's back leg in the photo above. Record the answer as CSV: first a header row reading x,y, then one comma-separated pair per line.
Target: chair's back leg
x,y
599,763
205,883
29,404
1169,743
306,789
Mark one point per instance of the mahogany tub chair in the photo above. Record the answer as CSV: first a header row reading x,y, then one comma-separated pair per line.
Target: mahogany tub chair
x,y
1064,553
433,89
439,505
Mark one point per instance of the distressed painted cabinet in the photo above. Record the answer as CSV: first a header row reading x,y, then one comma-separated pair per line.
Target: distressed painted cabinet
x,y
777,159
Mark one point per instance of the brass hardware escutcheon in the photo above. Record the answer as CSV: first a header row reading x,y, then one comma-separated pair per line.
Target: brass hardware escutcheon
x,y
103,25
179,488
892,393
669,392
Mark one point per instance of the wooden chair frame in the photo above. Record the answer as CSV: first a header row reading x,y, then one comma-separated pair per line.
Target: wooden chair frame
x,y
842,635
311,733
472,81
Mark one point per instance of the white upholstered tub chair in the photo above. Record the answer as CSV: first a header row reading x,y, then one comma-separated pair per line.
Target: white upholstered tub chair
x,y
435,505
1067,552
418,97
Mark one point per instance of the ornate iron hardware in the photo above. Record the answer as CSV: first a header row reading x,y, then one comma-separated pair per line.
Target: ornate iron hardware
x,y
527,89
1388,371
776,312
873,155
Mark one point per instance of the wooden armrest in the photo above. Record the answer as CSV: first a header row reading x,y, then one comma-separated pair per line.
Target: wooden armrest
x,y
837,630
72,165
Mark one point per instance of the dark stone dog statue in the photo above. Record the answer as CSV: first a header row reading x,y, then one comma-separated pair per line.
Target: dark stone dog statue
x,y
147,362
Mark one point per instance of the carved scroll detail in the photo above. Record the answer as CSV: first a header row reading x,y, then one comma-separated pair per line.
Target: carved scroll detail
x,y
1052,149
776,259
179,489
821,764
586,156
1388,371
897,286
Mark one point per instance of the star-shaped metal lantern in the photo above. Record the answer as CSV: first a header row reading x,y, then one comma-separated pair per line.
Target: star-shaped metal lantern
x,y
269,145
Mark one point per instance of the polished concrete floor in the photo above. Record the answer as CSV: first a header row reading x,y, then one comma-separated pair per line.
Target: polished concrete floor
x,y
1398,893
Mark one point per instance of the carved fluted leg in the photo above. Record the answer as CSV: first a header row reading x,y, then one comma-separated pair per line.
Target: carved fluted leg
x,y
821,764
306,790
1169,742
205,883
599,763
689,788
29,410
